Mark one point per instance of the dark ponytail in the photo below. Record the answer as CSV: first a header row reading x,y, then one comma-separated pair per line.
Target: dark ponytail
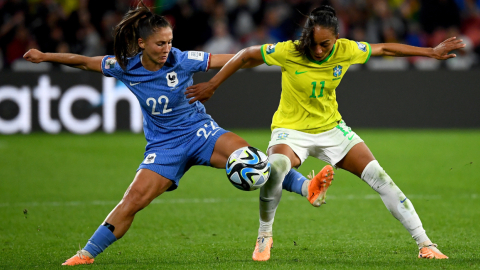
x,y
137,23
324,16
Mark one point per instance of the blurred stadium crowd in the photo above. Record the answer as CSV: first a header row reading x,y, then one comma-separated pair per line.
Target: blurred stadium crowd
x,y
216,26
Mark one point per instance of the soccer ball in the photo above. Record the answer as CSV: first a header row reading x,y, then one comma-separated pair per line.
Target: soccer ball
x,y
248,168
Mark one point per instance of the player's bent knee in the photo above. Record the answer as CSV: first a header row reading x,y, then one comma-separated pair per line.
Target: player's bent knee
x,y
280,163
135,201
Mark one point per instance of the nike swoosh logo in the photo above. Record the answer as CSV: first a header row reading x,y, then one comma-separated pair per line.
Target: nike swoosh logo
x,y
351,137
132,84
215,132
297,73
403,200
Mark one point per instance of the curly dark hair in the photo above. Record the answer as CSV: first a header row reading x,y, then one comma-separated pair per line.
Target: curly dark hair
x,y
324,16
137,23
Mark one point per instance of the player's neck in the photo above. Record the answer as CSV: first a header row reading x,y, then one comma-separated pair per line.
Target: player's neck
x,y
149,65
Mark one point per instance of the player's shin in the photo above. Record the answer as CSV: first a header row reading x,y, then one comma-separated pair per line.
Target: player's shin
x,y
395,201
101,239
271,192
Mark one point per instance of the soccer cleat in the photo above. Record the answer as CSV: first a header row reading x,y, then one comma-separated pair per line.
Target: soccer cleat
x,y
317,188
430,252
82,257
262,248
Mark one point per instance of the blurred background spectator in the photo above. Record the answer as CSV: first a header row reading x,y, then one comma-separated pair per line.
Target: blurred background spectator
x,y
85,26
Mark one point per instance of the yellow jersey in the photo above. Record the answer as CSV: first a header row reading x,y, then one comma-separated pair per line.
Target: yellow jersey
x,y
308,100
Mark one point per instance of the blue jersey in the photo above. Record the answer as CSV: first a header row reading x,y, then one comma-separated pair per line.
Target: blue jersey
x,y
167,115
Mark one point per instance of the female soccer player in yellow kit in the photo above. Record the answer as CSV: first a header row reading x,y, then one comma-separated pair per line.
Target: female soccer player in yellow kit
x,y
307,122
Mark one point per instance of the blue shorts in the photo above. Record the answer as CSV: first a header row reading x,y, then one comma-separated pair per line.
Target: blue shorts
x,y
173,163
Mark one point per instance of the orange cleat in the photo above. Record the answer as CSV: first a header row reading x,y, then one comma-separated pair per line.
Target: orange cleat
x,y
431,252
262,248
317,188
82,257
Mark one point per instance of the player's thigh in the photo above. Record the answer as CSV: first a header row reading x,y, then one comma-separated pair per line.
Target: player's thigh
x,y
291,143
170,162
225,145
286,150
356,159
343,148
146,186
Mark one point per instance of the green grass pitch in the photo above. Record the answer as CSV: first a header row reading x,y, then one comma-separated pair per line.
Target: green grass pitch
x,y
67,184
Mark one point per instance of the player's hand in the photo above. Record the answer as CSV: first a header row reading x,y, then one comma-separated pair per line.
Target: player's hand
x,y
441,52
34,56
201,92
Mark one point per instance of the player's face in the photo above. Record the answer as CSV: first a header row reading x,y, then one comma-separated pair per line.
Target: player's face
x,y
158,45
322,44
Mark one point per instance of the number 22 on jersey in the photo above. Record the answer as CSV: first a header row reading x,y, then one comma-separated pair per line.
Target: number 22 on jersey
x,y
205,133
153,102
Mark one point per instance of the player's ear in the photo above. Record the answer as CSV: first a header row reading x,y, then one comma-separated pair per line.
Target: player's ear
x,y
141,43
338,36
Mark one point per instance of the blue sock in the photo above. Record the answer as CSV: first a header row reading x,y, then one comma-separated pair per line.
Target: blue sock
x,y
293,181
100,240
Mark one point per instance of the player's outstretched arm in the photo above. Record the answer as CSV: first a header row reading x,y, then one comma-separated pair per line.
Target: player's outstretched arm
x,y
440,52
69,59
217,61
204,91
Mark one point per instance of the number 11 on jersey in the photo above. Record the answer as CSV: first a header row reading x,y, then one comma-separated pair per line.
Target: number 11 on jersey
x,y
314,84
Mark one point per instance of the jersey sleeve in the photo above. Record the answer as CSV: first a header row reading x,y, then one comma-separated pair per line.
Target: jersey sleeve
x,y
274,54
110,67
195,61
360,51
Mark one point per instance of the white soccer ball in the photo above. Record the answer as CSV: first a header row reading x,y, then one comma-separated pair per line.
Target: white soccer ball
x,y
248,168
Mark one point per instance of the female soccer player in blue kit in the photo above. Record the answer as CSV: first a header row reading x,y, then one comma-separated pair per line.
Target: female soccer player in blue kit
x,y
179,134
307,122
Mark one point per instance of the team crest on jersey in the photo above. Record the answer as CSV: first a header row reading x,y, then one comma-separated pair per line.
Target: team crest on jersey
x,y
271,48
150,158
361,46
110,62
172,79
337,71
282,136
